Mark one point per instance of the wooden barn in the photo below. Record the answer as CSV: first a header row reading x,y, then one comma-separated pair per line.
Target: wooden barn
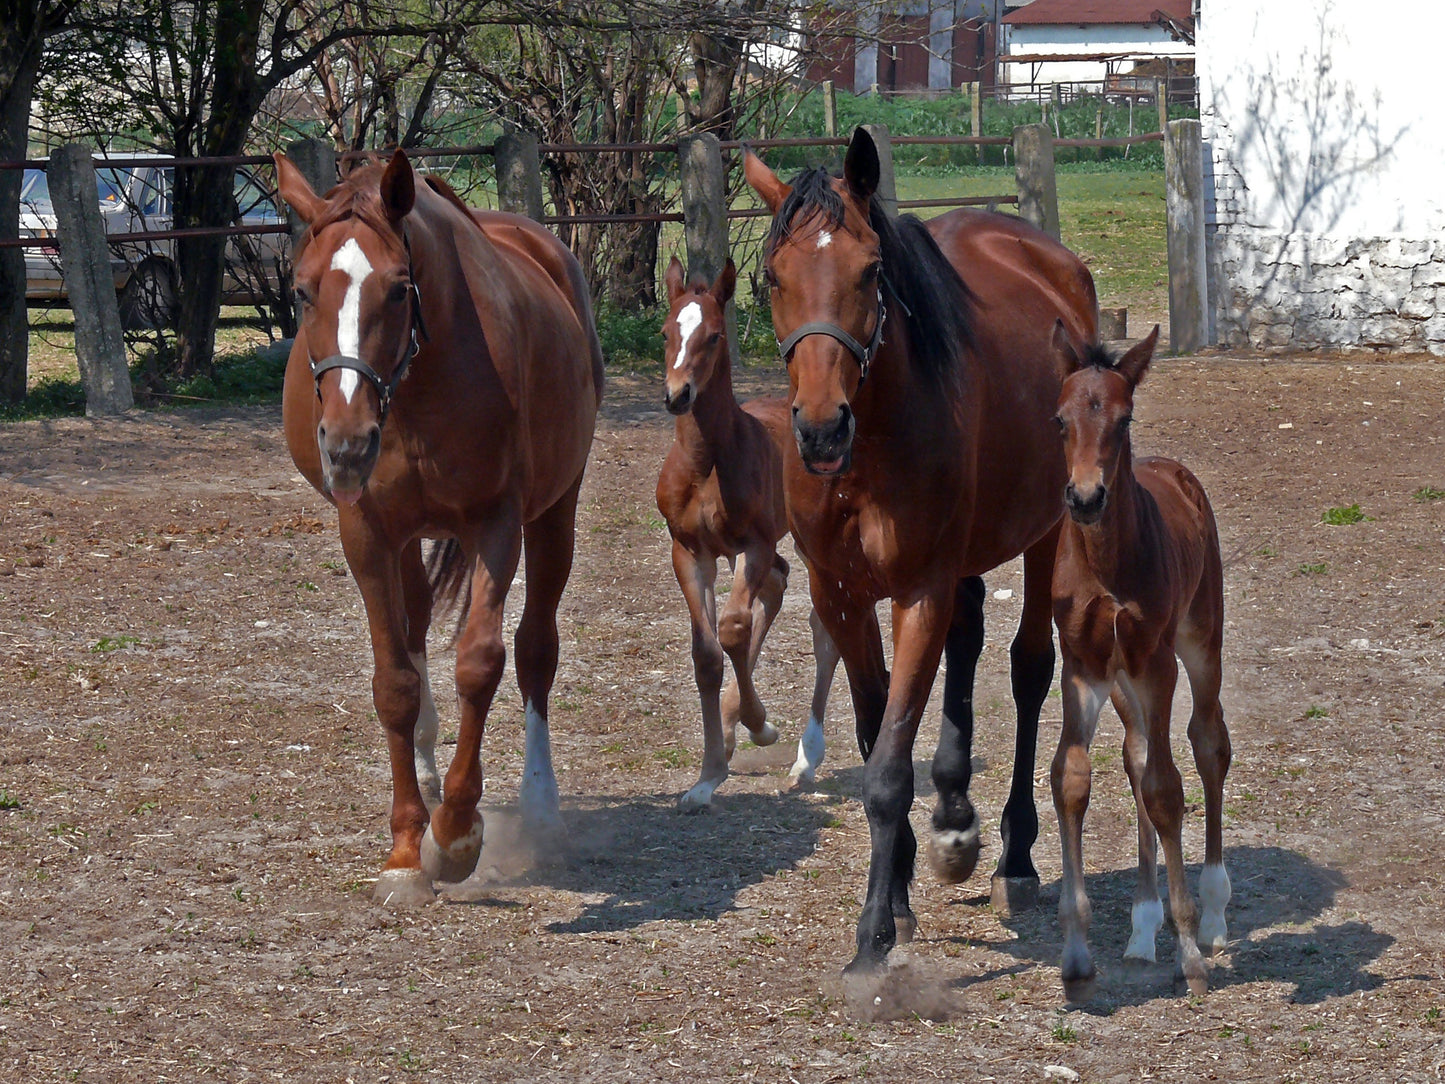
x,y
920,45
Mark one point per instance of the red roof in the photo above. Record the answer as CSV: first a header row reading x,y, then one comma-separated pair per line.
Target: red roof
x,y
1097,12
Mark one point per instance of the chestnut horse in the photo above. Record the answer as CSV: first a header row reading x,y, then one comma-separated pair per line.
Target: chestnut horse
x,y
721,492
925,456
1138,581
483,444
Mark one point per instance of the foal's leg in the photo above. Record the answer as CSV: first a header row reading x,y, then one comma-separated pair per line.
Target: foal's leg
x,y
953,846
765,609
811,745
1212,754
1164,799
417,592
1070,780
1016,882
396,692
1148,912
696,577
453,841
740,631
548,542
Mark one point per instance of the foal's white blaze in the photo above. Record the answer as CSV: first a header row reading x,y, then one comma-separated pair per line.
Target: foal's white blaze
x,y
688,321
350,259
824,239
1213,894
541,807
424,737
1148,917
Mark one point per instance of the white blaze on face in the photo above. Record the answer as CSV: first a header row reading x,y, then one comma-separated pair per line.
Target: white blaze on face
x,y
353,261
688,321
824,239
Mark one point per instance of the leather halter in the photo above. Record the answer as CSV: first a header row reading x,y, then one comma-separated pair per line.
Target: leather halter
x,y
862,354
384,389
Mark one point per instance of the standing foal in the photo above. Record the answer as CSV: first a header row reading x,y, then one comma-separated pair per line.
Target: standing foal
x,y
721,491
1137,581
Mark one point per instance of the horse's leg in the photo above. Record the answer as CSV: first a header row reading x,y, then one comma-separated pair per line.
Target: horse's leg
x,y
1015,883
953,845
1069,779
417,592
396,692
766,605
1153,690
1212,754
548,542
696,578
741,632
811,745
919,630
1148,912
453,841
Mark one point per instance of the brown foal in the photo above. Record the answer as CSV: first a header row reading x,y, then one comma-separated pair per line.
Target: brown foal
x,y
1137,581
721,491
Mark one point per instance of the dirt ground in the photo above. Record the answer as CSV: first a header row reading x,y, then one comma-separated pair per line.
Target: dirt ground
x,y
194,790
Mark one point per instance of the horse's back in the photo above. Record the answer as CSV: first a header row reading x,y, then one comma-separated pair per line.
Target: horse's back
x,y
1191,533
776,417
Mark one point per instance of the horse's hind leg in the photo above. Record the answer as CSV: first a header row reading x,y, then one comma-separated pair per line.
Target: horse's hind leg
x,y
811,745
757,586
1031,659
735,709
954,843
549,541
1147,914
1212,754
417,593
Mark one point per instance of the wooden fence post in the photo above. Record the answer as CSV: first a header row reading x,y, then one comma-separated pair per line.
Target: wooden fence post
x,y
1184,203
519,173
1161,101
85,261
830,109
1034,171
317,162
705,215
887,186
975,118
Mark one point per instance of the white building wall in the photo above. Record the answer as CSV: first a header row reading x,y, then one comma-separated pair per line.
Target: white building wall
x,y
1028,40
1328,220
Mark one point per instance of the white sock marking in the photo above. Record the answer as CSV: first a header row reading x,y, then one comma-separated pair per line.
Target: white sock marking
x,y
538,792
424,736
687,323
1148,916
1214,894
810,752
353,261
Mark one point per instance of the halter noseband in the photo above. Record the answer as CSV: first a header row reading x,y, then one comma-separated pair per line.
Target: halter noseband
x,y
863,354
384,389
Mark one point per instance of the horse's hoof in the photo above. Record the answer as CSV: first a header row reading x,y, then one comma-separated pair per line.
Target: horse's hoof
x,y
953,854
1013,895
1081,990
803,778
906,927
455,862
403,888
697,800
865,965
1213,934
766,734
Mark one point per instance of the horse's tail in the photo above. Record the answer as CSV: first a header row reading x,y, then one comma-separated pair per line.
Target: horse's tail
x,y
449,573
582,297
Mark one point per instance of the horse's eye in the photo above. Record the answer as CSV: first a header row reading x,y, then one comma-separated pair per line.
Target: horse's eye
x,y
1063,425
1125,422
770,278
872,272
398,291
713,338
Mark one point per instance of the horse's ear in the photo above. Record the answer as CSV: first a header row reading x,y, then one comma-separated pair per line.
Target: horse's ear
x,y
294,189
764,181
861,168
398,187
1135,363
676,280
1066,353
727,280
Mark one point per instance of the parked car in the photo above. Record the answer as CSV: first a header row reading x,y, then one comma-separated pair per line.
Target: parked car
x,y
135,199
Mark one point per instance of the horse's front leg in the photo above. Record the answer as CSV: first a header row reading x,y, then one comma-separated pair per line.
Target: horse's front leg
x,y
1015,884
396,690
697,578
954,844
812,746
453,841
753,602
920,627
418,595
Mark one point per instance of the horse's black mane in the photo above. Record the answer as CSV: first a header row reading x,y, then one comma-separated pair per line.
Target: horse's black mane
x,y
929,296
1098,356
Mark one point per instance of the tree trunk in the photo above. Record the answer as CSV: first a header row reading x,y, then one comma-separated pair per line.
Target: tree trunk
x,y
20,53
716,61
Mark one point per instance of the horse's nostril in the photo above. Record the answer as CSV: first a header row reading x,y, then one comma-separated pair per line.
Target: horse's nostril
x,y
373,442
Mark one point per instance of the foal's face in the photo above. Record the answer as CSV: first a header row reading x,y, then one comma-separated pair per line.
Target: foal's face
x,y
695,335
1095,410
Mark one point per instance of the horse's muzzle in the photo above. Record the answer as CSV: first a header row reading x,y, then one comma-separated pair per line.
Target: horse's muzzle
x,y
347,462
826,449
681,402
1086,508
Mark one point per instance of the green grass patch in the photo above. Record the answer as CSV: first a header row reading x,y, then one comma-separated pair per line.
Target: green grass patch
x,y
1344,515
1316,712
107,644
8,801
1428,493
1318,568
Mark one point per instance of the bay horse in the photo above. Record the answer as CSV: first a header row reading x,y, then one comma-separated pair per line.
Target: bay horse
x,y
924,455
1138,580
444,385
721,492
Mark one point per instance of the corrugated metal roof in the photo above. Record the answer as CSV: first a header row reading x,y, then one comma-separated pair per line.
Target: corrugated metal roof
x,y
1096,12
